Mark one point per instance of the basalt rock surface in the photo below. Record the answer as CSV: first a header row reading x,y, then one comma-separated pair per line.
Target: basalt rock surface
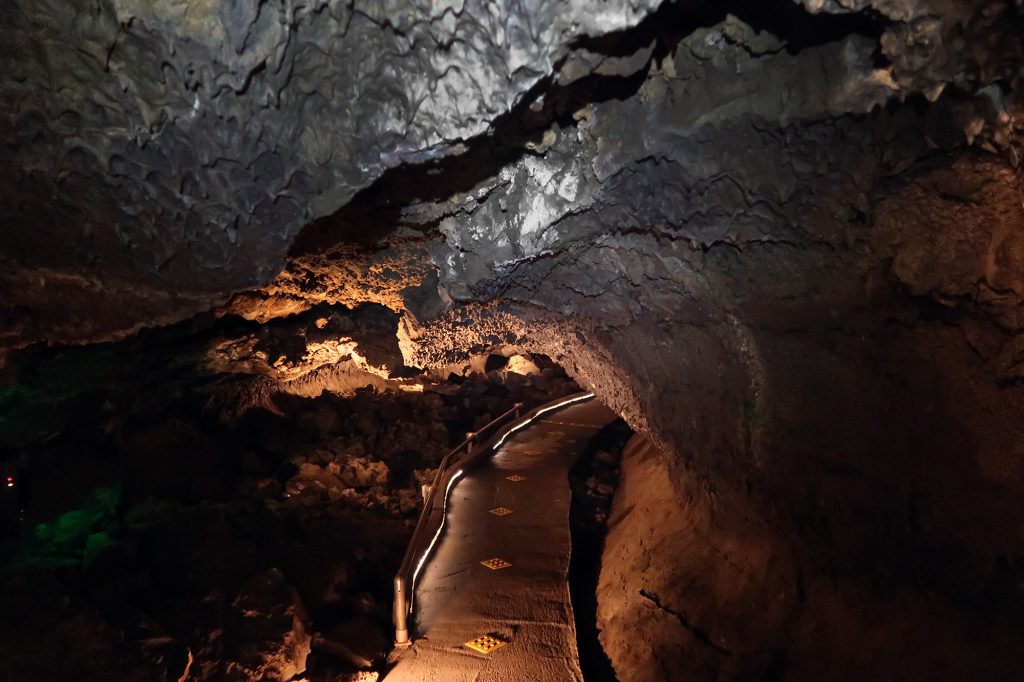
x,y
173,152
784,240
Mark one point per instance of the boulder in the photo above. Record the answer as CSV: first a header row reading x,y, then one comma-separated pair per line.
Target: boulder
x,y
266,632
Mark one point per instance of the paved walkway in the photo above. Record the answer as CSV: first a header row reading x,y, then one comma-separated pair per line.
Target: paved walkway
x,y
526,604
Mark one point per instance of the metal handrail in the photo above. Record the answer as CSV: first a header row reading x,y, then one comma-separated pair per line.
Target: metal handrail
x,y
433,514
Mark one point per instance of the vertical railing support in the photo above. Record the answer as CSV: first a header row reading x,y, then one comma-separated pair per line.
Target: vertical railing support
x,y
401,613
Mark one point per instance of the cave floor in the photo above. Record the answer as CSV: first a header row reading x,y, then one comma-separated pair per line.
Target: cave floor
x,y
526,604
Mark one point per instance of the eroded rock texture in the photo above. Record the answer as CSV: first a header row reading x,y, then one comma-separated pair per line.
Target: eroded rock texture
x,y
783,239
167,154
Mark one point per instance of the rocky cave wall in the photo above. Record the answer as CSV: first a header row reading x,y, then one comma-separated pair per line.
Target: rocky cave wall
x,y
784,240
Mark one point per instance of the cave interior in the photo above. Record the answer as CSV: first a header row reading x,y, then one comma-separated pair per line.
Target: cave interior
x,y
264,264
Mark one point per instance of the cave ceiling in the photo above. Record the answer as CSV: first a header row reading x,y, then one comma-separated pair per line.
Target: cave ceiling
x,y
163,159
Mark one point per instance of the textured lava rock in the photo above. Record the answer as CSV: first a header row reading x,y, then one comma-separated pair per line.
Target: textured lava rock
x,y
173,152
267,634
782,240
684,569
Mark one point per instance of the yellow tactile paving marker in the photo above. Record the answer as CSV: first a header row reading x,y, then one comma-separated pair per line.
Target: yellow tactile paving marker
x,y
500,511
515,478
496,564
485,644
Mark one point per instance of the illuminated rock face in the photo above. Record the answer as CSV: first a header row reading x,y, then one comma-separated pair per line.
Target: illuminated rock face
x,y
167,155
785,243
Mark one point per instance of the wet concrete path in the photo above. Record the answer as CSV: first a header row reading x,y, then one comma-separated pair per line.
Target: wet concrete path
x,y
525,604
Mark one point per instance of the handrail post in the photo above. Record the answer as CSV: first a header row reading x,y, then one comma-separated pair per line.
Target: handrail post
x,y
470,439
401,613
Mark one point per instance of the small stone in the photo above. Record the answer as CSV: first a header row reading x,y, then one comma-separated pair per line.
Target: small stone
x,y
408,501
309,470
268,488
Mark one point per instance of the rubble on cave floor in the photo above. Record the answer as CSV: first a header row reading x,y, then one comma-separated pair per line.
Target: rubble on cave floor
x,y
254,546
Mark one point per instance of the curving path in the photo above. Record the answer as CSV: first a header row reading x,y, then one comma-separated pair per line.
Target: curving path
x,y
526,604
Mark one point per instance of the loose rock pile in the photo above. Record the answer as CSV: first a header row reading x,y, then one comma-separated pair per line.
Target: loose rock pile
x,y
256,547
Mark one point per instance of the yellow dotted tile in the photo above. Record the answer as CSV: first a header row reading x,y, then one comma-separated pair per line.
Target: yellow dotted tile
x,y
485,644
496,564
501,511
515,478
